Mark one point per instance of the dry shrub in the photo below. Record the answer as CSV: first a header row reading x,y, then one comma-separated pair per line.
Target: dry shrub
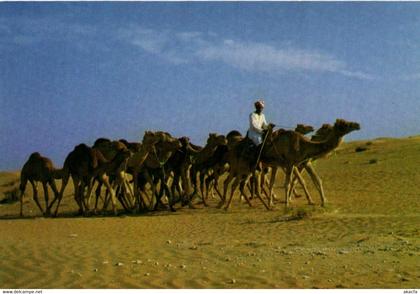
x,y
11,196
361,149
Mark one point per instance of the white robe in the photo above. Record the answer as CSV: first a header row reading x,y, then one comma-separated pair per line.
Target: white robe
x,y
257,124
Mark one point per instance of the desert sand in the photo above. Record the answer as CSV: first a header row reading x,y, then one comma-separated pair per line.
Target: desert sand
x,y
366,237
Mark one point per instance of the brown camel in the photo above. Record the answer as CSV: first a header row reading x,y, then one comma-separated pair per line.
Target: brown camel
x,y
154,168
39,169
218,163
302,129
289,150
179,164
203,160
118,177
136,160
85,164
242,159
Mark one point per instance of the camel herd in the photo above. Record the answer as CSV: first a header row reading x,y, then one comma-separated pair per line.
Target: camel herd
x,y
163,170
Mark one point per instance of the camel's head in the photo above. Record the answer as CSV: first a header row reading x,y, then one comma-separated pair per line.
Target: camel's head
x,y
343,127
216,140
185,141
304,129
322,133
151,138
233,137
35,155
101,141
167,142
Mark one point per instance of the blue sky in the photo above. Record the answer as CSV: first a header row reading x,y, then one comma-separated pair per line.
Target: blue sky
x,y
71,72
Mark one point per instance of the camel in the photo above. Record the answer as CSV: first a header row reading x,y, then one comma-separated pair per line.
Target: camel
x,y
118,177
302,129
218,163
290,149
154,167
85,164
242,159
179,164
39,169
202,160
136,160
320,135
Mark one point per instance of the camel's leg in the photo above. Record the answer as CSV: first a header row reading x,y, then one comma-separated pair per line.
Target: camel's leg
x,y
202,175
209,185
241,188
105,180
56,194
271,185
317,181
257,192
121,196
303,184
76,184
88,198
47,198
128,191
232,192
216,188
294,192
225,188
97,196
64,182
22,187
35,191
287,186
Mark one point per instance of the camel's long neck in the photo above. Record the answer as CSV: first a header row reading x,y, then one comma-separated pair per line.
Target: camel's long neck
x,y
320,149
205,153
138,158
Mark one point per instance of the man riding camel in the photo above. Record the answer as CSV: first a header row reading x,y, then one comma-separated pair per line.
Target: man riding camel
x,y
257,123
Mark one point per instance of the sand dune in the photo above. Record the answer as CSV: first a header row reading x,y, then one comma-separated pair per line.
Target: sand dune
x,y
367,237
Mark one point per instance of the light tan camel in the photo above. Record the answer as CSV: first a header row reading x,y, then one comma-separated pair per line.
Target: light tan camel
x,y
289,150
302,129
39,169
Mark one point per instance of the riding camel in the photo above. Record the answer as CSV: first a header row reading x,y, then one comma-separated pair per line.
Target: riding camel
x,y
290,150
39,169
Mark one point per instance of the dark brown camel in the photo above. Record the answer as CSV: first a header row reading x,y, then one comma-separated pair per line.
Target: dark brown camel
x,y
137,160
85,164
118,177
154,169
39,169
203,160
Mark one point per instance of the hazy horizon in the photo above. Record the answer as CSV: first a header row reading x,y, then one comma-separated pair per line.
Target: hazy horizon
x,y
72,72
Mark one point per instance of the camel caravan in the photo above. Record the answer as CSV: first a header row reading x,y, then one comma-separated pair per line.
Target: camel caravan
x,y
163,171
